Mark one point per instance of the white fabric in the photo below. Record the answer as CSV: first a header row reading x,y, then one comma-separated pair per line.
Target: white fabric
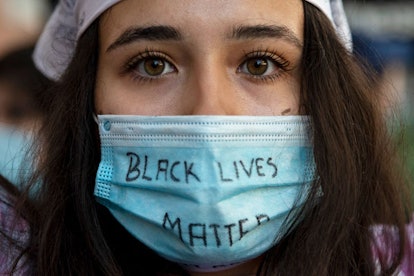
x,y
334,9
71,18
68,22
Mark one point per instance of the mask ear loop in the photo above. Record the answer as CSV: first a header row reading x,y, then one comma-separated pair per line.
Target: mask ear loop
x,y
95,118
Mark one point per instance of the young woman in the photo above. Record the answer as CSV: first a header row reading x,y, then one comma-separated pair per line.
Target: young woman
x,y
208,138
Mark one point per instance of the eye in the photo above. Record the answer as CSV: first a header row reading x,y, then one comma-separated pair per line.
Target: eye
x,y
150,65
258,66
263,65
154,67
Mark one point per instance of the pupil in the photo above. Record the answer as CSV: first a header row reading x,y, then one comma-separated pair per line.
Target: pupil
x,y
154,67
257,66
258,63
155,64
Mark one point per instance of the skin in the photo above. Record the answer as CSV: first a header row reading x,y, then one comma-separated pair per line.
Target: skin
x,y
216,57
204,62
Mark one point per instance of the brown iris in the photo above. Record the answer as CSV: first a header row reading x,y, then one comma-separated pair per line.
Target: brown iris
x,y
154,66
257,66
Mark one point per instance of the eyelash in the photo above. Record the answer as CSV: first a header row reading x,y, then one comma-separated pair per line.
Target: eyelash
x,y
278,60
148,54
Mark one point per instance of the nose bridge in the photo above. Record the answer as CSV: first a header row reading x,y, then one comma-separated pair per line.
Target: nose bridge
x,y
212,89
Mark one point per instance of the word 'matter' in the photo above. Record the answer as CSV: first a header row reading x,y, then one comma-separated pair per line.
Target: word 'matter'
x,y
217,234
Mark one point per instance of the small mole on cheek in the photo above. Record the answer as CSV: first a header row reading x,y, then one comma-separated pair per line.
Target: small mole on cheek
x,y
287,111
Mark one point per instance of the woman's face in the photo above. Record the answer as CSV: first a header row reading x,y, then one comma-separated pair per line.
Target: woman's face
x,y
198,57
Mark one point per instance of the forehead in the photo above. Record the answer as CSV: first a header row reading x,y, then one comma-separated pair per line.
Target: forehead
x,y
212,17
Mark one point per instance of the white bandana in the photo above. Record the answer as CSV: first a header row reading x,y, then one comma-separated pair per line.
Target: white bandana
x,y
71,18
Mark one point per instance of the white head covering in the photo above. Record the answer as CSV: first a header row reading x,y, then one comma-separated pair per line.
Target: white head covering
x,y
334,9
71,18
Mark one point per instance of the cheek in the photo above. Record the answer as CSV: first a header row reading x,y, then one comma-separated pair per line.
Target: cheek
x,y
109,93
280,98
121,95
108,99
100,95
291,97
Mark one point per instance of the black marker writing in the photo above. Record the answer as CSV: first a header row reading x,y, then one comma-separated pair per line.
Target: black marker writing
x,y
212,234
255,167
133,170
161,169
172,225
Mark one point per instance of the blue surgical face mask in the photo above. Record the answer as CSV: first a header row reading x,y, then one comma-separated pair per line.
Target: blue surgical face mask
x,y
207,192
14,144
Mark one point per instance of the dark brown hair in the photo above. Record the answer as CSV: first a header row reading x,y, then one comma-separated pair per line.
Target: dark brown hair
x,y
73,235
356,163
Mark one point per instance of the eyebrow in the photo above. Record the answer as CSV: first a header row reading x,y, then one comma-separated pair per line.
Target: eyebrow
x,y
266,31
164,32
151,33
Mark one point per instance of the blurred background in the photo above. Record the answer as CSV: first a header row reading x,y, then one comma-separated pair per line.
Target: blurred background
x,y
21,85
20,22
383,34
